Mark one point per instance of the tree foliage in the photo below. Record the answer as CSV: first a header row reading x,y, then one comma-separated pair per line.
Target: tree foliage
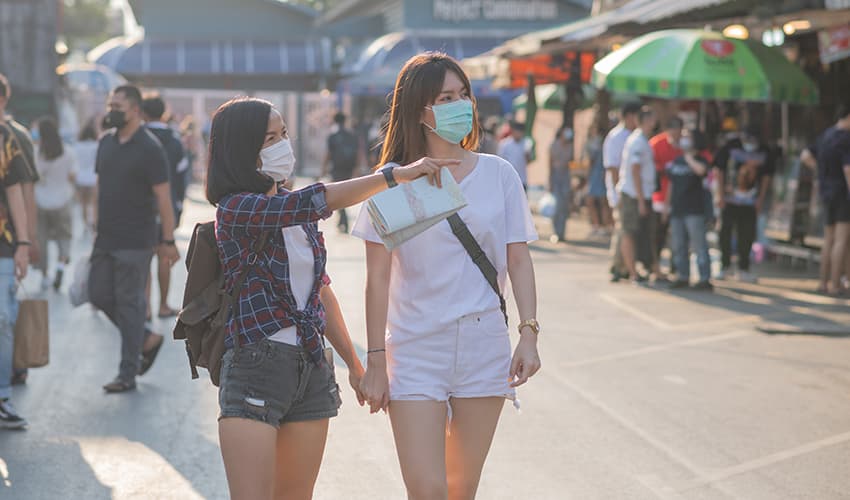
x,y
85,23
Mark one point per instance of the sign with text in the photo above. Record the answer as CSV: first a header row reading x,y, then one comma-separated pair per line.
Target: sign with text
x,y
458,11
834,44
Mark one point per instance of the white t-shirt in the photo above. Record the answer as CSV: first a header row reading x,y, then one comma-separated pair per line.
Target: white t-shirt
x,y
433,280
54,189
301,277
86,152
612,157
637,150
514,152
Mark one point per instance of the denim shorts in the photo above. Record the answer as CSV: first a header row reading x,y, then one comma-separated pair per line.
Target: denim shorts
x,y
276,383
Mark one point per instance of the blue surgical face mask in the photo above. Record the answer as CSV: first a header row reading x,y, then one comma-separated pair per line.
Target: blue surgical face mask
x,y
35,135
452,120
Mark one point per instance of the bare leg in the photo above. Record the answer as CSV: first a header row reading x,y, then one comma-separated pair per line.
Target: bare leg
x,y
472,428
248,451
826,257
164,278
605,210
594,212
839,249
419,428
300,447
627,248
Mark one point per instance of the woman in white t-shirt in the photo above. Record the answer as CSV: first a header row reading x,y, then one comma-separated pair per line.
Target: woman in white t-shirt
x,y
438,342
86,151
54,192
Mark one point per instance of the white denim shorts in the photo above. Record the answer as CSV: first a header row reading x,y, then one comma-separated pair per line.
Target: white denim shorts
x,y
470,359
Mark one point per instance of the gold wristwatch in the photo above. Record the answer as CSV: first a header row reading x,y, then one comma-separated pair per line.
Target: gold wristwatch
x,y
531,323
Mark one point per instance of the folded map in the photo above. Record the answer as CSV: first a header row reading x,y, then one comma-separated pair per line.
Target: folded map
x,y
400,213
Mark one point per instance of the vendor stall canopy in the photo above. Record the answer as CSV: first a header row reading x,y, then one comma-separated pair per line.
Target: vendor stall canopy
x,y
698,64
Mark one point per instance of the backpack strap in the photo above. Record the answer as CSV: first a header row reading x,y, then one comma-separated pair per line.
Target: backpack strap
x,y
470,244
233,296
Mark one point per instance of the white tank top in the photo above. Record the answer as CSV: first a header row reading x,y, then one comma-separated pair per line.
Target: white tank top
x,y
301,263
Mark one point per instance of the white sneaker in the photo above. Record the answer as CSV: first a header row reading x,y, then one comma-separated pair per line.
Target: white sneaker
x,y
721,275
747,277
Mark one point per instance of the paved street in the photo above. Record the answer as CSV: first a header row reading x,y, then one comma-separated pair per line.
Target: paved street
x,y
644,394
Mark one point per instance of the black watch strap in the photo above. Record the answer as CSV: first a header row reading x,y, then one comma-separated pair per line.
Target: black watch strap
x,y
388,175
168,242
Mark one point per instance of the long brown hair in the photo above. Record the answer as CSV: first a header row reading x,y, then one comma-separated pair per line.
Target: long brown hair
x,y
418,85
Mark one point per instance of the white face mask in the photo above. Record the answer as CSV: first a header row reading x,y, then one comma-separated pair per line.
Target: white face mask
x,y
278,160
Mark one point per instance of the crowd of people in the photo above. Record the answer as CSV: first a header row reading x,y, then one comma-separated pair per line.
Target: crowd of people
x,y
118,169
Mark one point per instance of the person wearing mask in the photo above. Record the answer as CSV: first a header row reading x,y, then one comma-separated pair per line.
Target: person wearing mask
x,y
343,149
54,194
560,157
153,111
665,149
14,263
744,171
612,157
597,205
85,150
489,143
685,208
133,181
635,187
278,390
515,149
439,352
831,157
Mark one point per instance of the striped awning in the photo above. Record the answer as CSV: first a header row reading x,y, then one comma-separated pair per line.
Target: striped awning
x,y
192,57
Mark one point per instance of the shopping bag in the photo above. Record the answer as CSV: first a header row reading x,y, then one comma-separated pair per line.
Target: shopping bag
x,y
78,292
32,334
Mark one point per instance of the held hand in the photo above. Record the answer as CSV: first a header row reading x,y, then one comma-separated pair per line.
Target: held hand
x,y
423,167
22,262
168,253
355,377
375,386
526,361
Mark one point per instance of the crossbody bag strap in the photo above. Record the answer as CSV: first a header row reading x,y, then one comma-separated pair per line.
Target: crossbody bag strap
x,y
476,253
233,296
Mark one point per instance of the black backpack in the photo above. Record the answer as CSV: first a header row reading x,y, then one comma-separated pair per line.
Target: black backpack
x,y
206,304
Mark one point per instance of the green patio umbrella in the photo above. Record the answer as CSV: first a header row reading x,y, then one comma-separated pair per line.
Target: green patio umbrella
x,y
696,64
549,96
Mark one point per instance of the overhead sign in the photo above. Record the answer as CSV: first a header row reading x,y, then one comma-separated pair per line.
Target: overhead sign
x,y
459,11
834,44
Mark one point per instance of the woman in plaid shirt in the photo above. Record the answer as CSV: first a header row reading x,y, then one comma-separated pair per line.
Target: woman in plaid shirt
x,y
278,390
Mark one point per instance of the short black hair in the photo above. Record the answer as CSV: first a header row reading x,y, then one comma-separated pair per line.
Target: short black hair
x,y
675,123
644,113
753,130
698,139
340,118
50,144
131,92
236,137
842,111
5,88
631,108
518,126
153,106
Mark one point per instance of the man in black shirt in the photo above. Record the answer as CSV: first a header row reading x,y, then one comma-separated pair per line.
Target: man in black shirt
x,y
744,170
132,184
153,109
832,152
343,150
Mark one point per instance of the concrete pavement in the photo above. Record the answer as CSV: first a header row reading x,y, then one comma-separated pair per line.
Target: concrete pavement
x,y
644,394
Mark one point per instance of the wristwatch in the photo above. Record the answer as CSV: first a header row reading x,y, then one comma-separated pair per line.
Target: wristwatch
x,y
388,175
168,242
530,323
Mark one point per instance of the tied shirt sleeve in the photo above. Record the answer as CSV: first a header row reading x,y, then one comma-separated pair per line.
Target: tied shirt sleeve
x,y
260,212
